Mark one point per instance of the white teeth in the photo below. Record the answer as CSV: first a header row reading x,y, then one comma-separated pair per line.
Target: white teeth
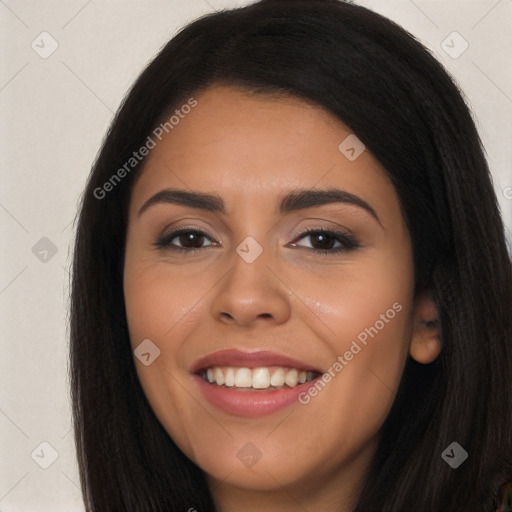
x,y
257,378
243,378
292,378
219,376
230,377
277,379
260,378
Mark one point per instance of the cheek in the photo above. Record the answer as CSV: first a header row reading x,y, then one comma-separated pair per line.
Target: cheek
x,y
365,386
367,299
366,324
160,299
164,306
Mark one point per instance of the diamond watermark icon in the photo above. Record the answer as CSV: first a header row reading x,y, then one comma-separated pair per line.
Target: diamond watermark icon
x,y
146,352
454,45
351,147
249,249
44,45
249,455
454,455
44,455
44,250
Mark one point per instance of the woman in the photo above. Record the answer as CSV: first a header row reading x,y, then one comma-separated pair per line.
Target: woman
x,y
291,288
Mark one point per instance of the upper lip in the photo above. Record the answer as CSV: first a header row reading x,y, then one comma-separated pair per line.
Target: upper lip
x,y
240,358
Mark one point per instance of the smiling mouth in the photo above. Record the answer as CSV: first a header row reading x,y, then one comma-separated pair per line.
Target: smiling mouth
x,y
265,378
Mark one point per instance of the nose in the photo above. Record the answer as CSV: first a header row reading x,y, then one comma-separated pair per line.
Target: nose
x,y
251,293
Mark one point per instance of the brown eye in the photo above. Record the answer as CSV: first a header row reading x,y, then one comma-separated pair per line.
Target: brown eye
x,y
328,242
186,240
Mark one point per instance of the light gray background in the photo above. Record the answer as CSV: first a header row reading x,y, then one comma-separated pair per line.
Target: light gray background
x,y
55,112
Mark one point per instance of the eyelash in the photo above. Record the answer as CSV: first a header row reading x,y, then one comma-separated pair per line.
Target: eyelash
x,y
348,242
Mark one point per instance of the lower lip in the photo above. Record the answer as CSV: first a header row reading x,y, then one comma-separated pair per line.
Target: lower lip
x,y
251,404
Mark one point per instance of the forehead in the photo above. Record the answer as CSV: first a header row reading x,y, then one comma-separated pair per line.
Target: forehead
x,y
251,147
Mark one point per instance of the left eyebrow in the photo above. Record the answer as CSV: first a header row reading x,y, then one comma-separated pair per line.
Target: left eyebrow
x,y
292,201
306,198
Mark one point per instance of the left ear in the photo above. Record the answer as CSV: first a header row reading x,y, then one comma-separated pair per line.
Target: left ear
x,y
425,343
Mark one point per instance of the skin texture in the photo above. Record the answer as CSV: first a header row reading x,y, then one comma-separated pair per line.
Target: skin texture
x,y
250,149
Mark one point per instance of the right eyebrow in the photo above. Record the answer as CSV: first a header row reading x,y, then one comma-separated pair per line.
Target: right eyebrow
x,y
203,201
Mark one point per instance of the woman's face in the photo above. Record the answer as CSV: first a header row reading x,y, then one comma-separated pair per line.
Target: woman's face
x,y
259,300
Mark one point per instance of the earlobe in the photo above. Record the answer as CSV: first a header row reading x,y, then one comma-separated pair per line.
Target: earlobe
x,y
425,342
